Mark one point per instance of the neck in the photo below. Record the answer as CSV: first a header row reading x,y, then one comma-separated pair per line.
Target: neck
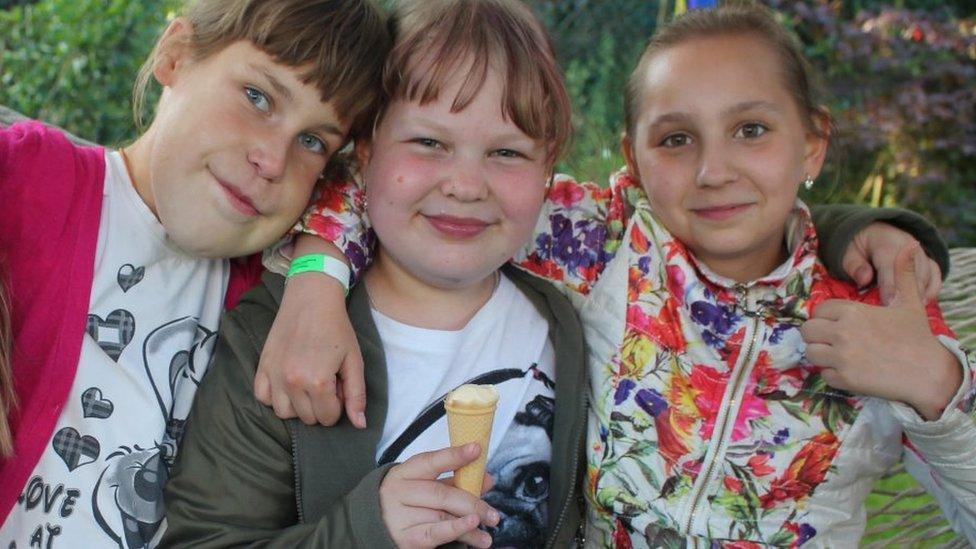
x,y
136,158
406,298
749,265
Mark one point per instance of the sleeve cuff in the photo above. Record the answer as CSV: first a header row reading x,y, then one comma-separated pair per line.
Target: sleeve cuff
x,y
277,258
855,218
364,512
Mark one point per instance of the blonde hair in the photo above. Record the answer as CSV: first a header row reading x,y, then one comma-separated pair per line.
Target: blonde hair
x,y
437,38
736,18
342,43
8,399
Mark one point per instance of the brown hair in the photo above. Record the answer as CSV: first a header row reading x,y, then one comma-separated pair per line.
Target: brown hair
x,y
7,397
735,18
342,42
447,36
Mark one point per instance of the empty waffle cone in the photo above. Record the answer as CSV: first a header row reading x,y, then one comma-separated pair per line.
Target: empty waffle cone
x,y
470,412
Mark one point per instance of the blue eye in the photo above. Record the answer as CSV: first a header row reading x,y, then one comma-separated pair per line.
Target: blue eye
x,y
751,130
676,140
258,99
312,143
427,142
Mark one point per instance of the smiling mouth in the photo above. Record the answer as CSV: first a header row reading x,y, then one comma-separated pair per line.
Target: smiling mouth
x,y
457,227
721,213
239,201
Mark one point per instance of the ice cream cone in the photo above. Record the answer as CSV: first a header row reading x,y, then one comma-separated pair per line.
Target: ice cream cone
x,y
470,412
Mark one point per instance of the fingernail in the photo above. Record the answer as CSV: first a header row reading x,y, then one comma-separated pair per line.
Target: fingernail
x,y
493,517
863,275
361,420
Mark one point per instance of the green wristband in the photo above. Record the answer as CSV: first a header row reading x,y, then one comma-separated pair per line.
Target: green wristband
x,y
321,263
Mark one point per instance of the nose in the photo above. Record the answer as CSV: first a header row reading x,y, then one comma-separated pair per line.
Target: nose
x,y
269,154
465,181
716,167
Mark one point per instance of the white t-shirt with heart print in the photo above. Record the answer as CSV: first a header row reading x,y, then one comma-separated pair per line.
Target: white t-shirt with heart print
x,y
151,327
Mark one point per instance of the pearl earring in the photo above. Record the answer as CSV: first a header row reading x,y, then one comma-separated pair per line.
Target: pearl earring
x,y
808,182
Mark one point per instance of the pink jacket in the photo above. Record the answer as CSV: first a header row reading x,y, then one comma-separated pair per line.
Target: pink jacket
x,y
51,195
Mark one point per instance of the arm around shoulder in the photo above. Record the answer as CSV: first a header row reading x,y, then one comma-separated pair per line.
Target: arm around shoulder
x,y
233,482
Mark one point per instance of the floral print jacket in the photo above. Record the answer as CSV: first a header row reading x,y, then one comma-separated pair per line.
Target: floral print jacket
x,y
707,428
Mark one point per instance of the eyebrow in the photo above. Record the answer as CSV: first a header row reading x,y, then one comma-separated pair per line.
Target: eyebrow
x,y
286,93
682,116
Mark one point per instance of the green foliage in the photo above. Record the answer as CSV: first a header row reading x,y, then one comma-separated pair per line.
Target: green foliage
x,y
73,62
901,76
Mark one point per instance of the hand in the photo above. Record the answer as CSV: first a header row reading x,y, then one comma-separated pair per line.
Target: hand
x,y
311,365
887,352
871,256
421,512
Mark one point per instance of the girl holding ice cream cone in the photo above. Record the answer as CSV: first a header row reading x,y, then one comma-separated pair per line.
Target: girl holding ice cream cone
x,y
456,173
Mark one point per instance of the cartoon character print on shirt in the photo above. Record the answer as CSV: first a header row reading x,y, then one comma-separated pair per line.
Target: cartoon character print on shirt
x,y
519,466
127,500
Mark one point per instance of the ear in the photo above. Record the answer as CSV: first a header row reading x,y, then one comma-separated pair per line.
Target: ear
x,y
627,148
172,51
816,145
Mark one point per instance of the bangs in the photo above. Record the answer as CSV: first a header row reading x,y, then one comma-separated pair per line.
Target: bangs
x,y
439,40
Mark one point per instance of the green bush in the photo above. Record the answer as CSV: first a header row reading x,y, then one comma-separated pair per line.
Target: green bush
x,y
73,62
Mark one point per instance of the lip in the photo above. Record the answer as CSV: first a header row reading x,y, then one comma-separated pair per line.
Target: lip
x,y
238,200
722,212
457,227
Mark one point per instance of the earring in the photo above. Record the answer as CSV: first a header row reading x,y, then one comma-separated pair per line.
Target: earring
x,y
808,182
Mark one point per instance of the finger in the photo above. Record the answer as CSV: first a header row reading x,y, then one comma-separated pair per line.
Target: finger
x,y
438,533
282,405
834,378
303,408
856,265
818,330
832,309
906,287
819,354
432,494
487,484
325,402
430,465
934,285
476,538
262,388
354,388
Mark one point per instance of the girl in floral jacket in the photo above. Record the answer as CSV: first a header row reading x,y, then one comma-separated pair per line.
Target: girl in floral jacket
x,y
739,395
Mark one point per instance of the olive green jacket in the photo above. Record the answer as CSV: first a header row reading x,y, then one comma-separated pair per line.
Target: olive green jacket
x,y
245,477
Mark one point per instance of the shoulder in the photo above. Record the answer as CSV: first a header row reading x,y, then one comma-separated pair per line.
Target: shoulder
x,y
42,168
29,143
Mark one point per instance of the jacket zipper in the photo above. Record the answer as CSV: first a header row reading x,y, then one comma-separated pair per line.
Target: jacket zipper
x,y
575,467
729,417
294,467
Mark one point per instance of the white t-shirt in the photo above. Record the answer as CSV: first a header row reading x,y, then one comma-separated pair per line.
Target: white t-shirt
x,y
151,330
505,344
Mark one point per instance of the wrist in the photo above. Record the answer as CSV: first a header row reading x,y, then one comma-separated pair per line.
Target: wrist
x,y
945,379
315,265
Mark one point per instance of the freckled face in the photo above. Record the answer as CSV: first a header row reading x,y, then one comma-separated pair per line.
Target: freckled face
x,y
453,195
721,150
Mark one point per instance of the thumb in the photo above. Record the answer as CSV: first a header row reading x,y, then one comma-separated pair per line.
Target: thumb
x,y
906,282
